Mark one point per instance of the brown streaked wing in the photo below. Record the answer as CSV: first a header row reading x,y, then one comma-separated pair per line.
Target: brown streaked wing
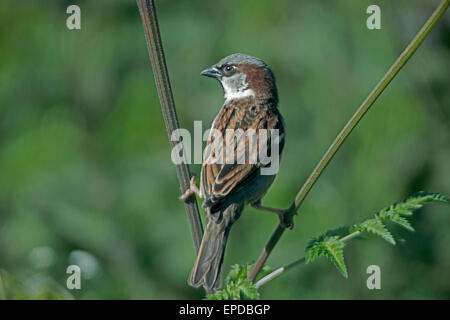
x,y
219,180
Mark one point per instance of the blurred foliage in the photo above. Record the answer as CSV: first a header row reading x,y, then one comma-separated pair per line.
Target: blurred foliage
x,y
39,286
236,285
85,170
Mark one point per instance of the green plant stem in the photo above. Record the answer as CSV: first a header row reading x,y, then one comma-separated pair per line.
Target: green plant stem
x,y
155,49
281,270
351,124
350,236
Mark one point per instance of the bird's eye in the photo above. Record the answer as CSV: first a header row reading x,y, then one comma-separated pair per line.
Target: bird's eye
x,y
228,70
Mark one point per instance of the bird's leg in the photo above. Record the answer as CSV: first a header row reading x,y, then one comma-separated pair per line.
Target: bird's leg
x,y
284,215
193,189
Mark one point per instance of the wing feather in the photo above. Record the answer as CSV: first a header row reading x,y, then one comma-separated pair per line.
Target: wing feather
x,y
220,178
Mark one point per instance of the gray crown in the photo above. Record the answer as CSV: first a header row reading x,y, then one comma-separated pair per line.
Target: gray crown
x,y
240,58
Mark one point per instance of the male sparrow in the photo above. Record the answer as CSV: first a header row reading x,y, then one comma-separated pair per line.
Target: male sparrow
x,y
251,101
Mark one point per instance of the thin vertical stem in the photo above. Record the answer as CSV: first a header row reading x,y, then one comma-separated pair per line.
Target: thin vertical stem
x,y
155,49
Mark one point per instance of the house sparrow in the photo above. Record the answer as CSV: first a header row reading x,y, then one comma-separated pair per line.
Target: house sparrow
x,y
251,101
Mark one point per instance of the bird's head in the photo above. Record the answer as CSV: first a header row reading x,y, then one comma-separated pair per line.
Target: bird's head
x,y
243,76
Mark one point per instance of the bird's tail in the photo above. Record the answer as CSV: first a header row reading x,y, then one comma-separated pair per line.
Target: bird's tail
x,y
207,270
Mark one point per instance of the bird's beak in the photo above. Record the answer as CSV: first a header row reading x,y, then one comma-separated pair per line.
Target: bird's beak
x,y
211,72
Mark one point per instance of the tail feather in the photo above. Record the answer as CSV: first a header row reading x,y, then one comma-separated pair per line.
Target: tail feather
x,y
207,267
207,270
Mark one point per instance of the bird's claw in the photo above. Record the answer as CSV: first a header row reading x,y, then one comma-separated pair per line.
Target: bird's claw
x,y
193,189
286,219
286,216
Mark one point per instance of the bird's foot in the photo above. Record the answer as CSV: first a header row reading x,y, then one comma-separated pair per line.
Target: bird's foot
x,y
285,215
193,189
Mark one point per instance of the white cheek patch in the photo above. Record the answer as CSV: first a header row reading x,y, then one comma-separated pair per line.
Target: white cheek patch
x,y
236,87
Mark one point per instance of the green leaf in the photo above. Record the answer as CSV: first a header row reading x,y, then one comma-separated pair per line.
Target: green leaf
x,y
402,222
376,227
237,286
423,197
412,203
330,247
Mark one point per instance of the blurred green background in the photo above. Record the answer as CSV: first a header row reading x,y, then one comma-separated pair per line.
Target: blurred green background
x,y
85,170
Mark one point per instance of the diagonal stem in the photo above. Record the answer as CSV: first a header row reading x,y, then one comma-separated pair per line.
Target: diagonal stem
x,y
351,124
155,49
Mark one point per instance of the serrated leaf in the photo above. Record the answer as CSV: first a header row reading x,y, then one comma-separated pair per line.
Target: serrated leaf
x,y
401,221
330,247
236,286
376,227
264,271
417,201
406,210
423,197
